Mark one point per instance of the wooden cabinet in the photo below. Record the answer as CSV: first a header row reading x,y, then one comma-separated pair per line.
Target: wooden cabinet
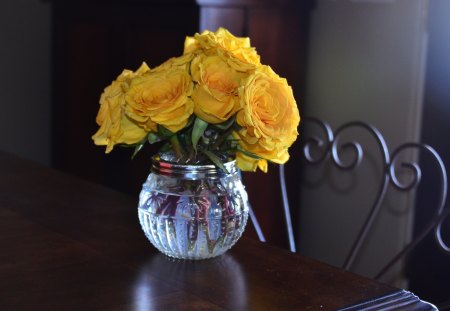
x,y
93,41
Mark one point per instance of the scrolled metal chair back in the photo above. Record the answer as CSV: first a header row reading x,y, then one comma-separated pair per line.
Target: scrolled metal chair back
x,y
332,148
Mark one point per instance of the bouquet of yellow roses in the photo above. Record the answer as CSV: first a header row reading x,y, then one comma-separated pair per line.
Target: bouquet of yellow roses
x,y
214,102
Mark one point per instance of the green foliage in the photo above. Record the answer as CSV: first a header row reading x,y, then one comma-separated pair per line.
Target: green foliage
x,y
197,131
198,143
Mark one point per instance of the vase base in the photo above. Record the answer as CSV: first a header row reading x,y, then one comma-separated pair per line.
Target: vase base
x,y
192,239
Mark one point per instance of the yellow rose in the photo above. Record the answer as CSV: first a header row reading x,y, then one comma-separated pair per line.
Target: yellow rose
x,y
191,44
163,97
269,117
181,62
215,95
249,164
236,51
115,126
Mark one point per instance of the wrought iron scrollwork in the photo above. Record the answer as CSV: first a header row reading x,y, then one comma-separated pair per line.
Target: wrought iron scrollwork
x,y
318,142
331,148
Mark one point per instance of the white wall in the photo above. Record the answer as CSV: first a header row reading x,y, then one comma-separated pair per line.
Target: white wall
x,y
25,78
366,62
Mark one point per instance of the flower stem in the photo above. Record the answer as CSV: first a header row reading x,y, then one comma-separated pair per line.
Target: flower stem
x,y
222,138
176,146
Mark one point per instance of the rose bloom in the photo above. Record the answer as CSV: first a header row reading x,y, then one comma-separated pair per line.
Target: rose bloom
x,y
181,62
269,117
236,51
215,94
115,126
249,164
162,96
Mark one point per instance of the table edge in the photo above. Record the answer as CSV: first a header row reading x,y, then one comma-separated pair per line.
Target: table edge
x,y
400,300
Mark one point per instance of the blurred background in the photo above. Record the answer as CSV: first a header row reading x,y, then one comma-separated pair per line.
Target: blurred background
x,y
385,62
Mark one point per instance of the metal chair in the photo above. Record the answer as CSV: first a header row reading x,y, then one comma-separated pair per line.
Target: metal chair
x,y
330,147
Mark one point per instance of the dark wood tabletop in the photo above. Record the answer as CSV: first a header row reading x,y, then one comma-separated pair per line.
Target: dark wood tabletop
x,y
69,244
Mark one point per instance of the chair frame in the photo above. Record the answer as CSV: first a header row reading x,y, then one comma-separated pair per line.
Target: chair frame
x,y
331,148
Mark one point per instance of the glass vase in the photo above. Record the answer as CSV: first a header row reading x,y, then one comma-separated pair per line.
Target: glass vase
x,y
193,211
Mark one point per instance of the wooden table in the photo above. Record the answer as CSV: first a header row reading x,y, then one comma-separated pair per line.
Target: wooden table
x,y
68,244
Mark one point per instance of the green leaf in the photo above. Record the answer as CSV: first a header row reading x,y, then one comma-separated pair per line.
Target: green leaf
x,y
251,155
215,159
165,148
163,132
230,137
153,138
197,131
225,125
137,149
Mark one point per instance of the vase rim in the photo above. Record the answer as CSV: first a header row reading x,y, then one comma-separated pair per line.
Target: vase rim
x,y
191,171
